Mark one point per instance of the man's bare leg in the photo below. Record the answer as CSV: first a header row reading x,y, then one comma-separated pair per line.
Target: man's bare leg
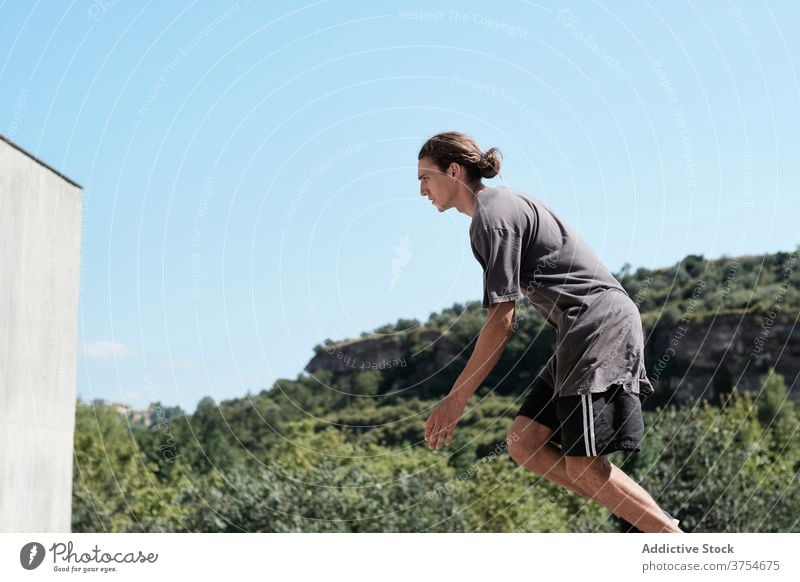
x,y
592,477
612,487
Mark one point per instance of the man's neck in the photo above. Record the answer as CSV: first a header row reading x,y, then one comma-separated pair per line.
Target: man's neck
x,y
470,199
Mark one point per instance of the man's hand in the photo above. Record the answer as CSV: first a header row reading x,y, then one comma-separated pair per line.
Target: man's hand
x,y
495,333
442,423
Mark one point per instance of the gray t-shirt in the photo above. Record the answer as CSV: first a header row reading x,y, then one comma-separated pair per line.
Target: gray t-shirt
x,y
526,250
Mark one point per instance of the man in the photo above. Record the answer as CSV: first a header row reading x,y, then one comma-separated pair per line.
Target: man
x,y
587,400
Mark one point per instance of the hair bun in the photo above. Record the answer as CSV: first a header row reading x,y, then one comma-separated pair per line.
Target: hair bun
x,y
489,163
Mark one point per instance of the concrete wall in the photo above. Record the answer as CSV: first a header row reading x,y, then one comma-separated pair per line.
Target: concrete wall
x,y
40,235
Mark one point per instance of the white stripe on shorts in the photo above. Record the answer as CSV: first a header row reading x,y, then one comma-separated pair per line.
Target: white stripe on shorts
x,y
588,425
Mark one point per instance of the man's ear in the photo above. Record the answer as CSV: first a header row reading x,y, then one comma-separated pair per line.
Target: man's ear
x,y
454,170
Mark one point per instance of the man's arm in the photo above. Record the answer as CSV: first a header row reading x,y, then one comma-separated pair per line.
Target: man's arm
x,y
495,333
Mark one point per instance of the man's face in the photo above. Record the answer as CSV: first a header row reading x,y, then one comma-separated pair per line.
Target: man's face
x,y
436,185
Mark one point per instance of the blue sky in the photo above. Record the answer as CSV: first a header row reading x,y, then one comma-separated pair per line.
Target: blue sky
x,y
249,169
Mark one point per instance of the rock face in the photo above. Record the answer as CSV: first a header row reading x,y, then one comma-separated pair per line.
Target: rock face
x,y
691,358
369,353
380,352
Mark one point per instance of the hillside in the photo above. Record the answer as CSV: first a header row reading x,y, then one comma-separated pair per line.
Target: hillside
x,y
710,326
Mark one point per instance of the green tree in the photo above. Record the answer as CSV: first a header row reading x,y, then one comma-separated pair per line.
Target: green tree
x,y
114,487
712,468
779,415
320,482
771,400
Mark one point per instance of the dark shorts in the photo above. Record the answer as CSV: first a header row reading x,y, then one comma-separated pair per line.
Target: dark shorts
x,y
588,425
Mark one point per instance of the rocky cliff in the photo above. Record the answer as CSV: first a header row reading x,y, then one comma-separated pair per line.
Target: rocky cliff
x,y
693,357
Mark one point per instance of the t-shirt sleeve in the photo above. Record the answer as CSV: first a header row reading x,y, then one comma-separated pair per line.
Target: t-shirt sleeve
x,y
499,251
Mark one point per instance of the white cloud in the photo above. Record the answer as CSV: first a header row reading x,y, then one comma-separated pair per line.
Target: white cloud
x,y
107,350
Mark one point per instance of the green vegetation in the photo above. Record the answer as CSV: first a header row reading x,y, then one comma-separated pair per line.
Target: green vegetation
x,y
364,468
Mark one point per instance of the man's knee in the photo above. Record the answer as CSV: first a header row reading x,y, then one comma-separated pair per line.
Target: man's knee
x,y
526,440
521,453
596,469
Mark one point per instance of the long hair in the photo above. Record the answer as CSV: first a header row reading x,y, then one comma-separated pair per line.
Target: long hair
x,y
454,146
